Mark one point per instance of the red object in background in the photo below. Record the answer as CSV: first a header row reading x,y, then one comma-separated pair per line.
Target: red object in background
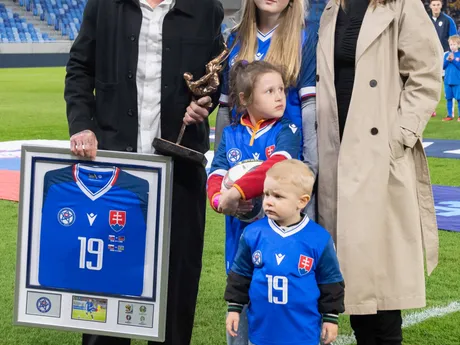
x,y
9,185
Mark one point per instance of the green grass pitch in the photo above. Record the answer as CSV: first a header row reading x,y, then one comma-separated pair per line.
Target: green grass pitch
x,y
98,316
32,107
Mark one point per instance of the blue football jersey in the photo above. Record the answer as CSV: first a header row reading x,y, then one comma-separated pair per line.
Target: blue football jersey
x,y
90,307
239,143
93,231
286,265
306,83
452,69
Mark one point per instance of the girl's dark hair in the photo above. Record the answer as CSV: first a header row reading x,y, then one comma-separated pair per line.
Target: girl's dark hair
x,y
243,77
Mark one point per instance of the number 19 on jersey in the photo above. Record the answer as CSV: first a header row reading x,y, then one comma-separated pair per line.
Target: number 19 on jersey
x,y
93,246
277,283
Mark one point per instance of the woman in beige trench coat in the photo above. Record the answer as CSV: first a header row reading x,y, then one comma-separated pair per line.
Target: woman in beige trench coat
x,y
379,80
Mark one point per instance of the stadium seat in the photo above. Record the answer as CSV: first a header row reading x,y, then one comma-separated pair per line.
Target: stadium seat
x,y
64,16
14,28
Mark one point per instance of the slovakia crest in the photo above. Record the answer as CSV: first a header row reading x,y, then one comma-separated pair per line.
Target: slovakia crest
x,y
43,305
269,150
257,258
117,220
305,264
234,155
66,216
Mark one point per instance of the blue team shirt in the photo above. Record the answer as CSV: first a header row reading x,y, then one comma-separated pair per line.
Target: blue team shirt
x,y
279,138
90,307
452,68
93,231
286,265
306,84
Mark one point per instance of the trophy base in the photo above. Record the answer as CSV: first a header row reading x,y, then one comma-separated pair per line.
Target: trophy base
x,y
168,148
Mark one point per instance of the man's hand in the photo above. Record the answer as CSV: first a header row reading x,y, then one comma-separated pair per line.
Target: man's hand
x,y
233,319
197,111
84,144
329,332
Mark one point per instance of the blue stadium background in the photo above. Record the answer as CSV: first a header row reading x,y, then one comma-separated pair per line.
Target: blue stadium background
x,y
42,21
56,23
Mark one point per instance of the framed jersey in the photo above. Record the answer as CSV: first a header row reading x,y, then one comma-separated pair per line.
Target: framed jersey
x,y
93,242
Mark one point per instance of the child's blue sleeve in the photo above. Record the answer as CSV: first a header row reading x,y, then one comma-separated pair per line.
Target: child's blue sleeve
x,y
328,269
446,62
220,162
288,141
307,78
242,265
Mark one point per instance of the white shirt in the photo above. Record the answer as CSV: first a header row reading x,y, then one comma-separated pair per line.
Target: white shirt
x,y
148,75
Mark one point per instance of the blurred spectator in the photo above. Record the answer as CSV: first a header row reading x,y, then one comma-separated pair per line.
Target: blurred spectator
x,y
453,10
444,24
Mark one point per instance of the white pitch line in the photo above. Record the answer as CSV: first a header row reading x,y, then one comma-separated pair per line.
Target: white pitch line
x,y
410,320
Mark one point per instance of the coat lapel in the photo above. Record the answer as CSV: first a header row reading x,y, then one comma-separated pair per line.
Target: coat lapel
x,y
375,22
327,33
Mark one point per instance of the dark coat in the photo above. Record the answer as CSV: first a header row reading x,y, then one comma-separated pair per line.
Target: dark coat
x,y
101,95
104,58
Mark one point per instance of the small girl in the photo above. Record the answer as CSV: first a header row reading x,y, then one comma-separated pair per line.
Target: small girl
x,y
258,90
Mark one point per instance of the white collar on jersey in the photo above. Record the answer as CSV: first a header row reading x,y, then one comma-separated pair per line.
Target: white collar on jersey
x,y
267,36
261,131
94,196
286,231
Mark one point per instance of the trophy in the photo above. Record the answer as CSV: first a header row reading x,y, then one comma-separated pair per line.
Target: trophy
x,y
205,86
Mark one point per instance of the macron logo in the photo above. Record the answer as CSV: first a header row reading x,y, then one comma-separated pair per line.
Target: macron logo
x,y
91,218
279,258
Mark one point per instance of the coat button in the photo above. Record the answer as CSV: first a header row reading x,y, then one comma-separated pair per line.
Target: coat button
x,y
130,112
132,38
167,49
373,83
166,86
374,131
129,149
317,77
130,75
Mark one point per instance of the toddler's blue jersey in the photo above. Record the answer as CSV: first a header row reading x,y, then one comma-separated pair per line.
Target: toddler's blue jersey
x,y
306,83
452,68
279,138
286,264
93,231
